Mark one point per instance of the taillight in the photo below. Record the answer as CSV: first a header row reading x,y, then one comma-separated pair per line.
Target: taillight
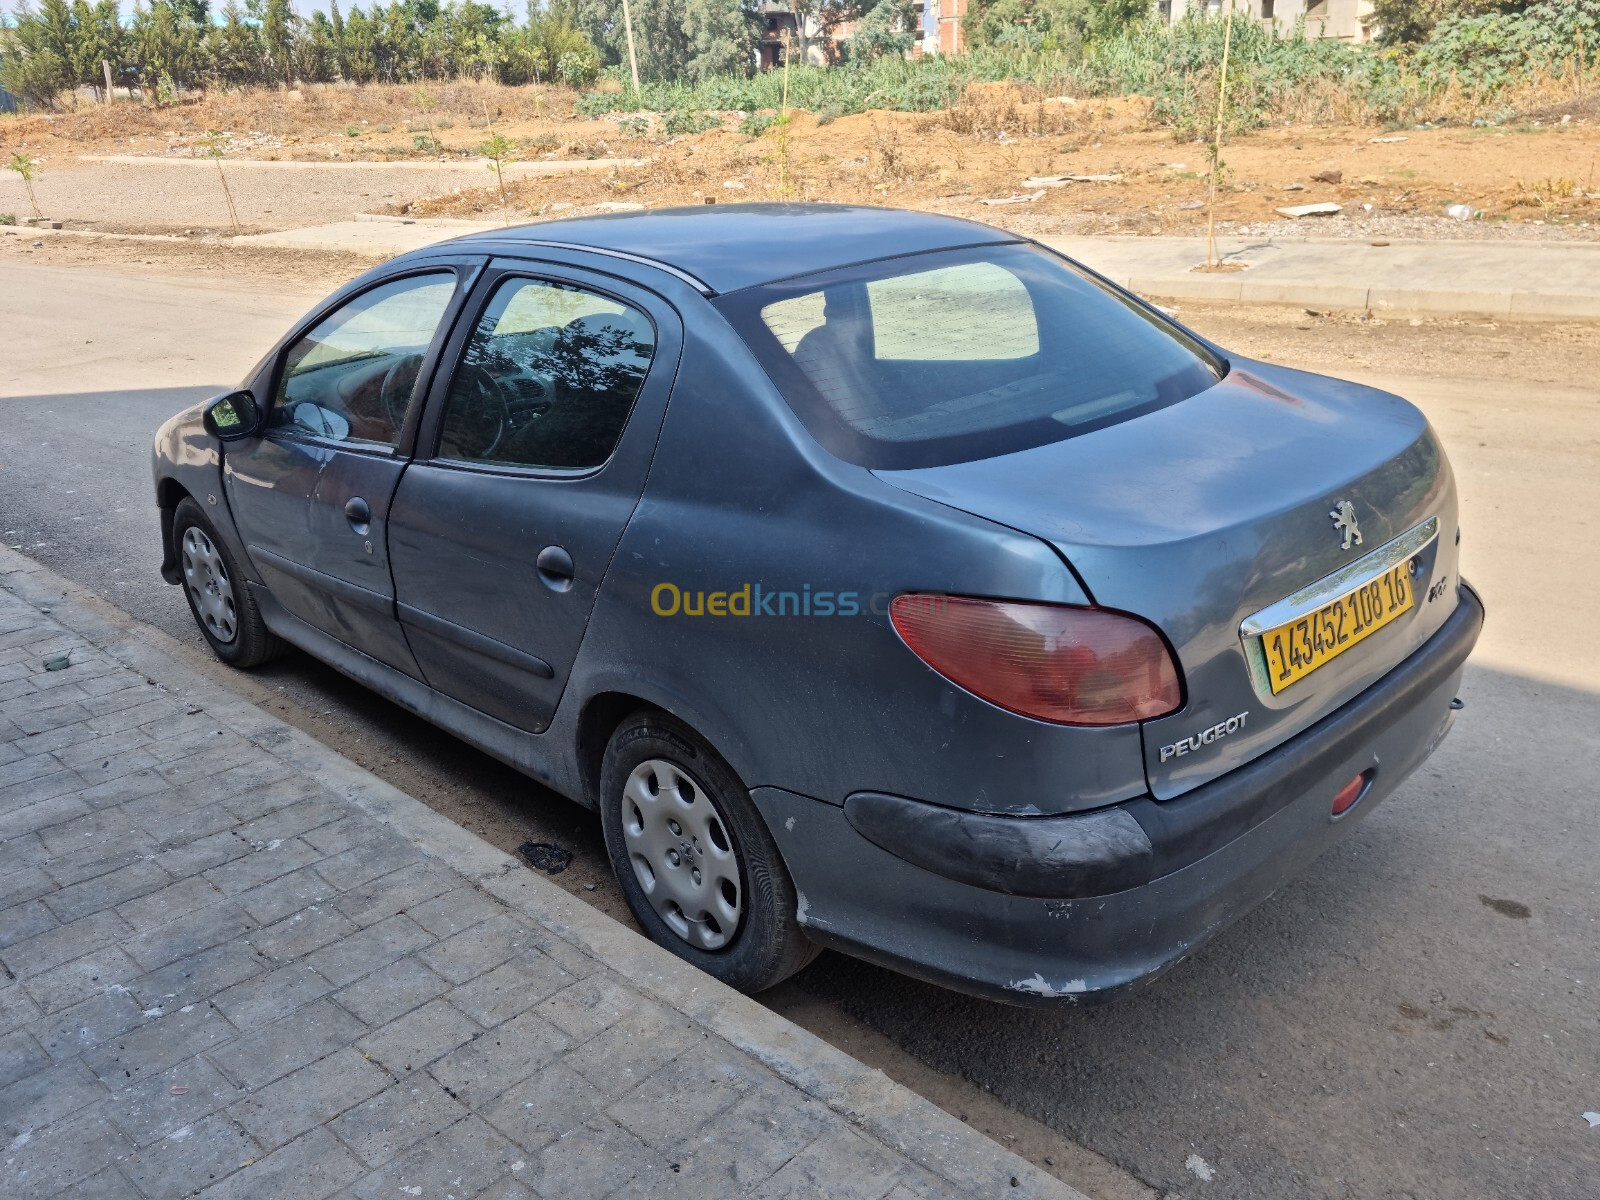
x,y
1073,666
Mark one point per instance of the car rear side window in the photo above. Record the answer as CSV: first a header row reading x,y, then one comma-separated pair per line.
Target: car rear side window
x,y
548,378
962,354
351,378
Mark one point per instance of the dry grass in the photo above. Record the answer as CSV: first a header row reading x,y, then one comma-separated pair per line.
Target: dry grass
x,y
387,117
983,146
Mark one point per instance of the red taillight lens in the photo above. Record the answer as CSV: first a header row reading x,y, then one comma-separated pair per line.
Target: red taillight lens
x,y
1073,666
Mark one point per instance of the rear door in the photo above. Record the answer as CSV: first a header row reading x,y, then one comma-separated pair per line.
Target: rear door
x,y
311,496
531,459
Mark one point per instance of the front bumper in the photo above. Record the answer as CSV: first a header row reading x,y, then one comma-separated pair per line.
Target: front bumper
x,y
1080,908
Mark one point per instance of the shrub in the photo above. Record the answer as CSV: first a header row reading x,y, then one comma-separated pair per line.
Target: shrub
x,y
1469,63
758,123
689,120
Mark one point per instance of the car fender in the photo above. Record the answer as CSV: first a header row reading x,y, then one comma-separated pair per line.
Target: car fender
x,y
187,460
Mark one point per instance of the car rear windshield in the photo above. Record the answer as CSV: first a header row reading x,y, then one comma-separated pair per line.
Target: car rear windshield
x,y
962,354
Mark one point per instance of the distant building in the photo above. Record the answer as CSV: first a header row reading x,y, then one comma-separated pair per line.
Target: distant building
x,y
938,31
941,28
1347,20
781,34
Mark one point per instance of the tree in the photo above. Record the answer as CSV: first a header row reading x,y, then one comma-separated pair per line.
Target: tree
x,y
278,24
235,50
1049,24
721,38
675,38
167,46
175,44
887,29
100,39
1413,20
25,165
819,18
38,63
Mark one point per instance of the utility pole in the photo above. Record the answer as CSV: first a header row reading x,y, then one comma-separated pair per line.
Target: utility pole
x,y
633,57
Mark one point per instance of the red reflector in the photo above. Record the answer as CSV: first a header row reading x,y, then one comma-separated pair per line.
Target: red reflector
x,y
1349,794
1054,662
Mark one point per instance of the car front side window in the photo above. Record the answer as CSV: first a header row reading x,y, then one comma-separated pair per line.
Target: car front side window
x,y
548,378
351,378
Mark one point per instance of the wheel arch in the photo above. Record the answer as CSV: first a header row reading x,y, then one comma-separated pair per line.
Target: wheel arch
x,y
604,711
169,494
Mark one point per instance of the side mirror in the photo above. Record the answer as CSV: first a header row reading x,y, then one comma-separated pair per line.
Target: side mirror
x,y
234,416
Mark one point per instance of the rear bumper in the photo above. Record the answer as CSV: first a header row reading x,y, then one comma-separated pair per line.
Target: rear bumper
x,y
1079,908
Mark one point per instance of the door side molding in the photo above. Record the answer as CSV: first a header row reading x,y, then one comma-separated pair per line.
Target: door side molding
x,y
478,643
341,589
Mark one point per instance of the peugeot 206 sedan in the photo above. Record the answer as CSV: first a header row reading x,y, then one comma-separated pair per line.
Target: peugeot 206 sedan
x,y
887,582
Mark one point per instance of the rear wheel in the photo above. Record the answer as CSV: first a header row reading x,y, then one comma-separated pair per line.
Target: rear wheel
x,y
694,858
218,596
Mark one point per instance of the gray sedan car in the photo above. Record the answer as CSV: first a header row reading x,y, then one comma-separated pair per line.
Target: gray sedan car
x,y
887,582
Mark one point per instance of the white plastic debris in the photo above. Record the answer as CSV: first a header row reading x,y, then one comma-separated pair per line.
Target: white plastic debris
x,y
1019,198
1199,1168
1593,1118
1383,140
1326,208
1050,181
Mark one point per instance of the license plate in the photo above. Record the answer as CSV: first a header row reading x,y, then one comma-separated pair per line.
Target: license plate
x,y
1298,648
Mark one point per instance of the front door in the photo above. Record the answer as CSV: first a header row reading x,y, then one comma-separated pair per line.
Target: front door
x,y
311,495
530,461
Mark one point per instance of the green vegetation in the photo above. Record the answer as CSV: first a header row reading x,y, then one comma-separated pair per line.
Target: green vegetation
x,y
1465,66
499,151
757,123
1441,59
176,44
214,145
26,166
689,120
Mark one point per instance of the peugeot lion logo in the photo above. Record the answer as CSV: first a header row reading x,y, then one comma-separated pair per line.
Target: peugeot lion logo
x,y
1344,520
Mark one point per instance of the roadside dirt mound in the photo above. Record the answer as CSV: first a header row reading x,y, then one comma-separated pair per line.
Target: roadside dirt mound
x,y
1005,153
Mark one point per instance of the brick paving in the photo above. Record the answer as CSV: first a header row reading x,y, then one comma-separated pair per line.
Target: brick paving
x,y
236,966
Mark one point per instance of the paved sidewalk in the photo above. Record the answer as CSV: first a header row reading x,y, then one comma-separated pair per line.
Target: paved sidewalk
x,y
236,965
1500,279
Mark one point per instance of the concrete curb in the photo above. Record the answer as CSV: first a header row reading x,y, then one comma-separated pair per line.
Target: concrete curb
x,y
1502,280
969,1162
557,166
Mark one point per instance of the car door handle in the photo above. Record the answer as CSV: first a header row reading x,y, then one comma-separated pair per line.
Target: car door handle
x,y
357,512
555,568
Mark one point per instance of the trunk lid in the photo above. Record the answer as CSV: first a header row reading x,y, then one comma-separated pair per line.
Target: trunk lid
x,y
1200,515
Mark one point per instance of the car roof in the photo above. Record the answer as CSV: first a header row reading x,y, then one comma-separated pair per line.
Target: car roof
x,y
727,247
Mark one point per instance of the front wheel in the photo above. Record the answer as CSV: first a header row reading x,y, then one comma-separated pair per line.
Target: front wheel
x,y
218,596
694,858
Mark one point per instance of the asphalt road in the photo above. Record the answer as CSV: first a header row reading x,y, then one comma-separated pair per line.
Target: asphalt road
x,y
1416,1017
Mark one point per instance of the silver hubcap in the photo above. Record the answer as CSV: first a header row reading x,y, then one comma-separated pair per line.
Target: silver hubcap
x,y
682,854
210,591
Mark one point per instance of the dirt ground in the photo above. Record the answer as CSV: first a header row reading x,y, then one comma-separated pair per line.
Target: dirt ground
x,y
1539,178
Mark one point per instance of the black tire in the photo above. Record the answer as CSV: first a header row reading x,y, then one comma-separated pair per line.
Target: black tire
x,y
251,642
768,944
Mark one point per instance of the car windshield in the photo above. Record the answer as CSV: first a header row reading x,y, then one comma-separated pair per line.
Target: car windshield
x,y
962,354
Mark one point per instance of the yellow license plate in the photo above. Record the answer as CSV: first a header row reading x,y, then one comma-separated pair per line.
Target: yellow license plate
x,y
1295,650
